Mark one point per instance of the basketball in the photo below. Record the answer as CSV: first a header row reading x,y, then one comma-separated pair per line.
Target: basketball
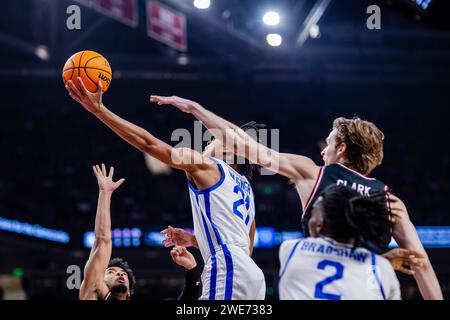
x,y
91,67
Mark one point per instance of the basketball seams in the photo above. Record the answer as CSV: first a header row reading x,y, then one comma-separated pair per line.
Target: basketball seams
x,y
90,59
69,69
73,65
93,68
79,63
87,75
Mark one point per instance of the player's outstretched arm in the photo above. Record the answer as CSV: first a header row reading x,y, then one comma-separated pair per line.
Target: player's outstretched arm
x,y
184,159
406,236
94,271
291,166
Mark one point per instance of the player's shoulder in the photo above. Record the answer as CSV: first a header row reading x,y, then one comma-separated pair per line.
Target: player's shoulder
x,y
287,247
340,169
290,243
382,261
231,172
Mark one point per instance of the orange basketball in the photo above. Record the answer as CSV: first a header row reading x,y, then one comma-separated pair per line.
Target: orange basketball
x,y
91,67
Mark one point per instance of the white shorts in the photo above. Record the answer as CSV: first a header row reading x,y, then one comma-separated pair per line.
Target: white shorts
x,y
230,274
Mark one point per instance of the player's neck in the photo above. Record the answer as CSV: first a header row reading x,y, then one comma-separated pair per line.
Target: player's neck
x,y
346,164
120,296
338,241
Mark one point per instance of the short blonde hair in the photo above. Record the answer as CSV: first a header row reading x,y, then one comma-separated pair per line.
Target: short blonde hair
x,y
364,143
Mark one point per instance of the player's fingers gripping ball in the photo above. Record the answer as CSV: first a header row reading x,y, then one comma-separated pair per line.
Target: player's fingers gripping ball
x,y
91,67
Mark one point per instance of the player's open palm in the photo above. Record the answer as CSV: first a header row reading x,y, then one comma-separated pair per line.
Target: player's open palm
x,y
92,102
105,181
178,237
182,104
183,257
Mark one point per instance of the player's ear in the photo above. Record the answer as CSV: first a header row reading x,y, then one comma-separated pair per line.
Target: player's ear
x,y
318,226
341,149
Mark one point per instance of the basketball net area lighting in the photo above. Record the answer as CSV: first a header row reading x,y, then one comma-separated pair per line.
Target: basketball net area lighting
x,y
202,4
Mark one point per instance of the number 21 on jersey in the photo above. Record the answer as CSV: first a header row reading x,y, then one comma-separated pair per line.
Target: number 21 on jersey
x,y
241,206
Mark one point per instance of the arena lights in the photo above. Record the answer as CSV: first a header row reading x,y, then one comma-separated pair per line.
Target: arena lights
x,y
265,237
42,53
120,238
202,4
423,4
274,39
35,231
271,18
314,31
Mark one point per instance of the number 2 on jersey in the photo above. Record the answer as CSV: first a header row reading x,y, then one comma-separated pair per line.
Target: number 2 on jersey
x,y
319,293
245,200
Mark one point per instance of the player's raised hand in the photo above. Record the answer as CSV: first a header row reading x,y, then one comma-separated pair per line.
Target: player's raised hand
x,y
183,257
184,105
178,237
404,260
105,181
92,102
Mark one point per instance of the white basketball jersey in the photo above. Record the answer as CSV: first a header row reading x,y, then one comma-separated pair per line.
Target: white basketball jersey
x,y
223,213
320,268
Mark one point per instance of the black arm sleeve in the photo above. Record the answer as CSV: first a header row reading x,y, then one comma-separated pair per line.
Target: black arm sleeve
x,y
193,285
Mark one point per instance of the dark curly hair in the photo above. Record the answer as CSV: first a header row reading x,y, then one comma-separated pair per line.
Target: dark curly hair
x,y
120,263
350,216
244,166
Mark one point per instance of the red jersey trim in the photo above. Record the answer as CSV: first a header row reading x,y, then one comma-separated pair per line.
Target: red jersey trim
x,y
359,174
316,186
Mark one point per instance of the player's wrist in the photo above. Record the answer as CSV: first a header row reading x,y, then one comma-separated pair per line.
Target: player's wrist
x,y
107,193
194,107
191,266
193,241
99,110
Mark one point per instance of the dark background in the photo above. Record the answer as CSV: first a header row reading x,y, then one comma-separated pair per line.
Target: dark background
x,y
397,77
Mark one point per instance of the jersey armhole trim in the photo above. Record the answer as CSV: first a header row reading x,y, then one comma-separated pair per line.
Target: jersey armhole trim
x,y
375,274
313,192
213,187
289,258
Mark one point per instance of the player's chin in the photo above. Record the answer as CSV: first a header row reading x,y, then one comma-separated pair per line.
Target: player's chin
x,y
120,288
